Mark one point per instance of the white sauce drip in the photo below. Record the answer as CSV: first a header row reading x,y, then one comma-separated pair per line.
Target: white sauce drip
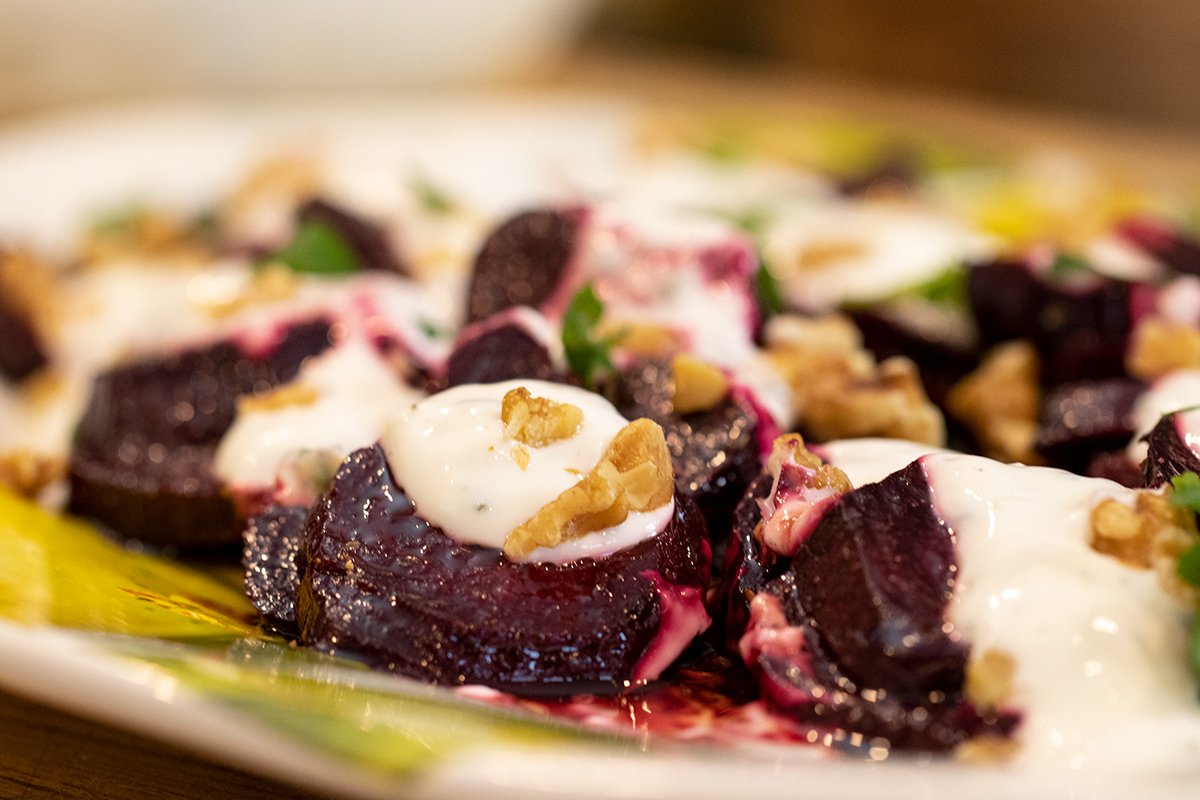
x,y
1102,673
357,394
450,454
900,248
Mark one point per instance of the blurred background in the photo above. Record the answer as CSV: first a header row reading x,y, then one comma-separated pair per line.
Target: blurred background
x,y
1115,59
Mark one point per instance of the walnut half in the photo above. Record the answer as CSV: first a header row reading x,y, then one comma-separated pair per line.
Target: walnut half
x,y
634,474
537,421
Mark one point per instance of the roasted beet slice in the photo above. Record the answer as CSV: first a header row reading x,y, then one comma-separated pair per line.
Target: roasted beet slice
x,y
1080,420
273,557
852,636
1172,449
499,349
20,348
874,580
748,566
524,262
385,585
141,462
1157,238
367,240
1117,467
1079,322
715,453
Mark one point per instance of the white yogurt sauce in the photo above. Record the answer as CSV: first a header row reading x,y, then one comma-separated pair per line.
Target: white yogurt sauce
x,y
450,454
1172,392
357,394
889,248
1102,674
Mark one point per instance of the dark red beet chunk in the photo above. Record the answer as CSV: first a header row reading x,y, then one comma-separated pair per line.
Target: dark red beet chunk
x,y
141,462
715,453
1080,326
368,241
1080,420
523,262
500,353
385,585
273,556
1169,454
1170,246
20,350
748,566
855,637
873,580
1115,466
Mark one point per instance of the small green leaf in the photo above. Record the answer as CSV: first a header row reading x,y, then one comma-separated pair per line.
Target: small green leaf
x,y
432,198
766,290
1068,264
947,288
1187,491
431,330
587,355
318,249
1189,565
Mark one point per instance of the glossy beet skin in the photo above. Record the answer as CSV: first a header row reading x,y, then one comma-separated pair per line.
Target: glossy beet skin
x,y
1172,247
1079,323
386,586
273,557
502,352
523,262
368,241
1080,421
141,461
861,643
715,453
1169,454
21,350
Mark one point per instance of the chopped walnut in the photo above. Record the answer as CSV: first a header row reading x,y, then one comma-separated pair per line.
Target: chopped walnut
x,y
838,389
29,286
989,683
697,386
635,474
644,339
999,402
144,232
823,254
537,421
520,456
289,395
28,474
1150,535
271,284
1159,346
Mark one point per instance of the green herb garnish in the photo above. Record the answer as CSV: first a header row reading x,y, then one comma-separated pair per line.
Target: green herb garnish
x,y
432,198
1068,264
431,330
1189,565
318,249
766,291
1187,491
947,288
588,354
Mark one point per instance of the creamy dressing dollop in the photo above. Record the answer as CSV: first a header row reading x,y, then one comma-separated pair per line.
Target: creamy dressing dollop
x,y
450,454
1100,649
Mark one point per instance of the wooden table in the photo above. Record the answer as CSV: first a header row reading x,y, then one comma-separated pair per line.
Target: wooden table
x,y
49,754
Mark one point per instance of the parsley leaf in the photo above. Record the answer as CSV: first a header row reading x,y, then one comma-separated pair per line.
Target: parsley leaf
x,y
1189,565
319,249
1068,264
947,288
587,354
766,291
432,199
1187,491
431,330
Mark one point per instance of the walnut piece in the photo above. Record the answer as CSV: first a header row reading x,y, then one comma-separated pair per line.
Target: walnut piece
x,y
989,683
697,386
27,474
29,286
1159,346
538,421
635,474
999,402
144,233
643,338
1150,535
825,253
838,389
271,284
289,395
